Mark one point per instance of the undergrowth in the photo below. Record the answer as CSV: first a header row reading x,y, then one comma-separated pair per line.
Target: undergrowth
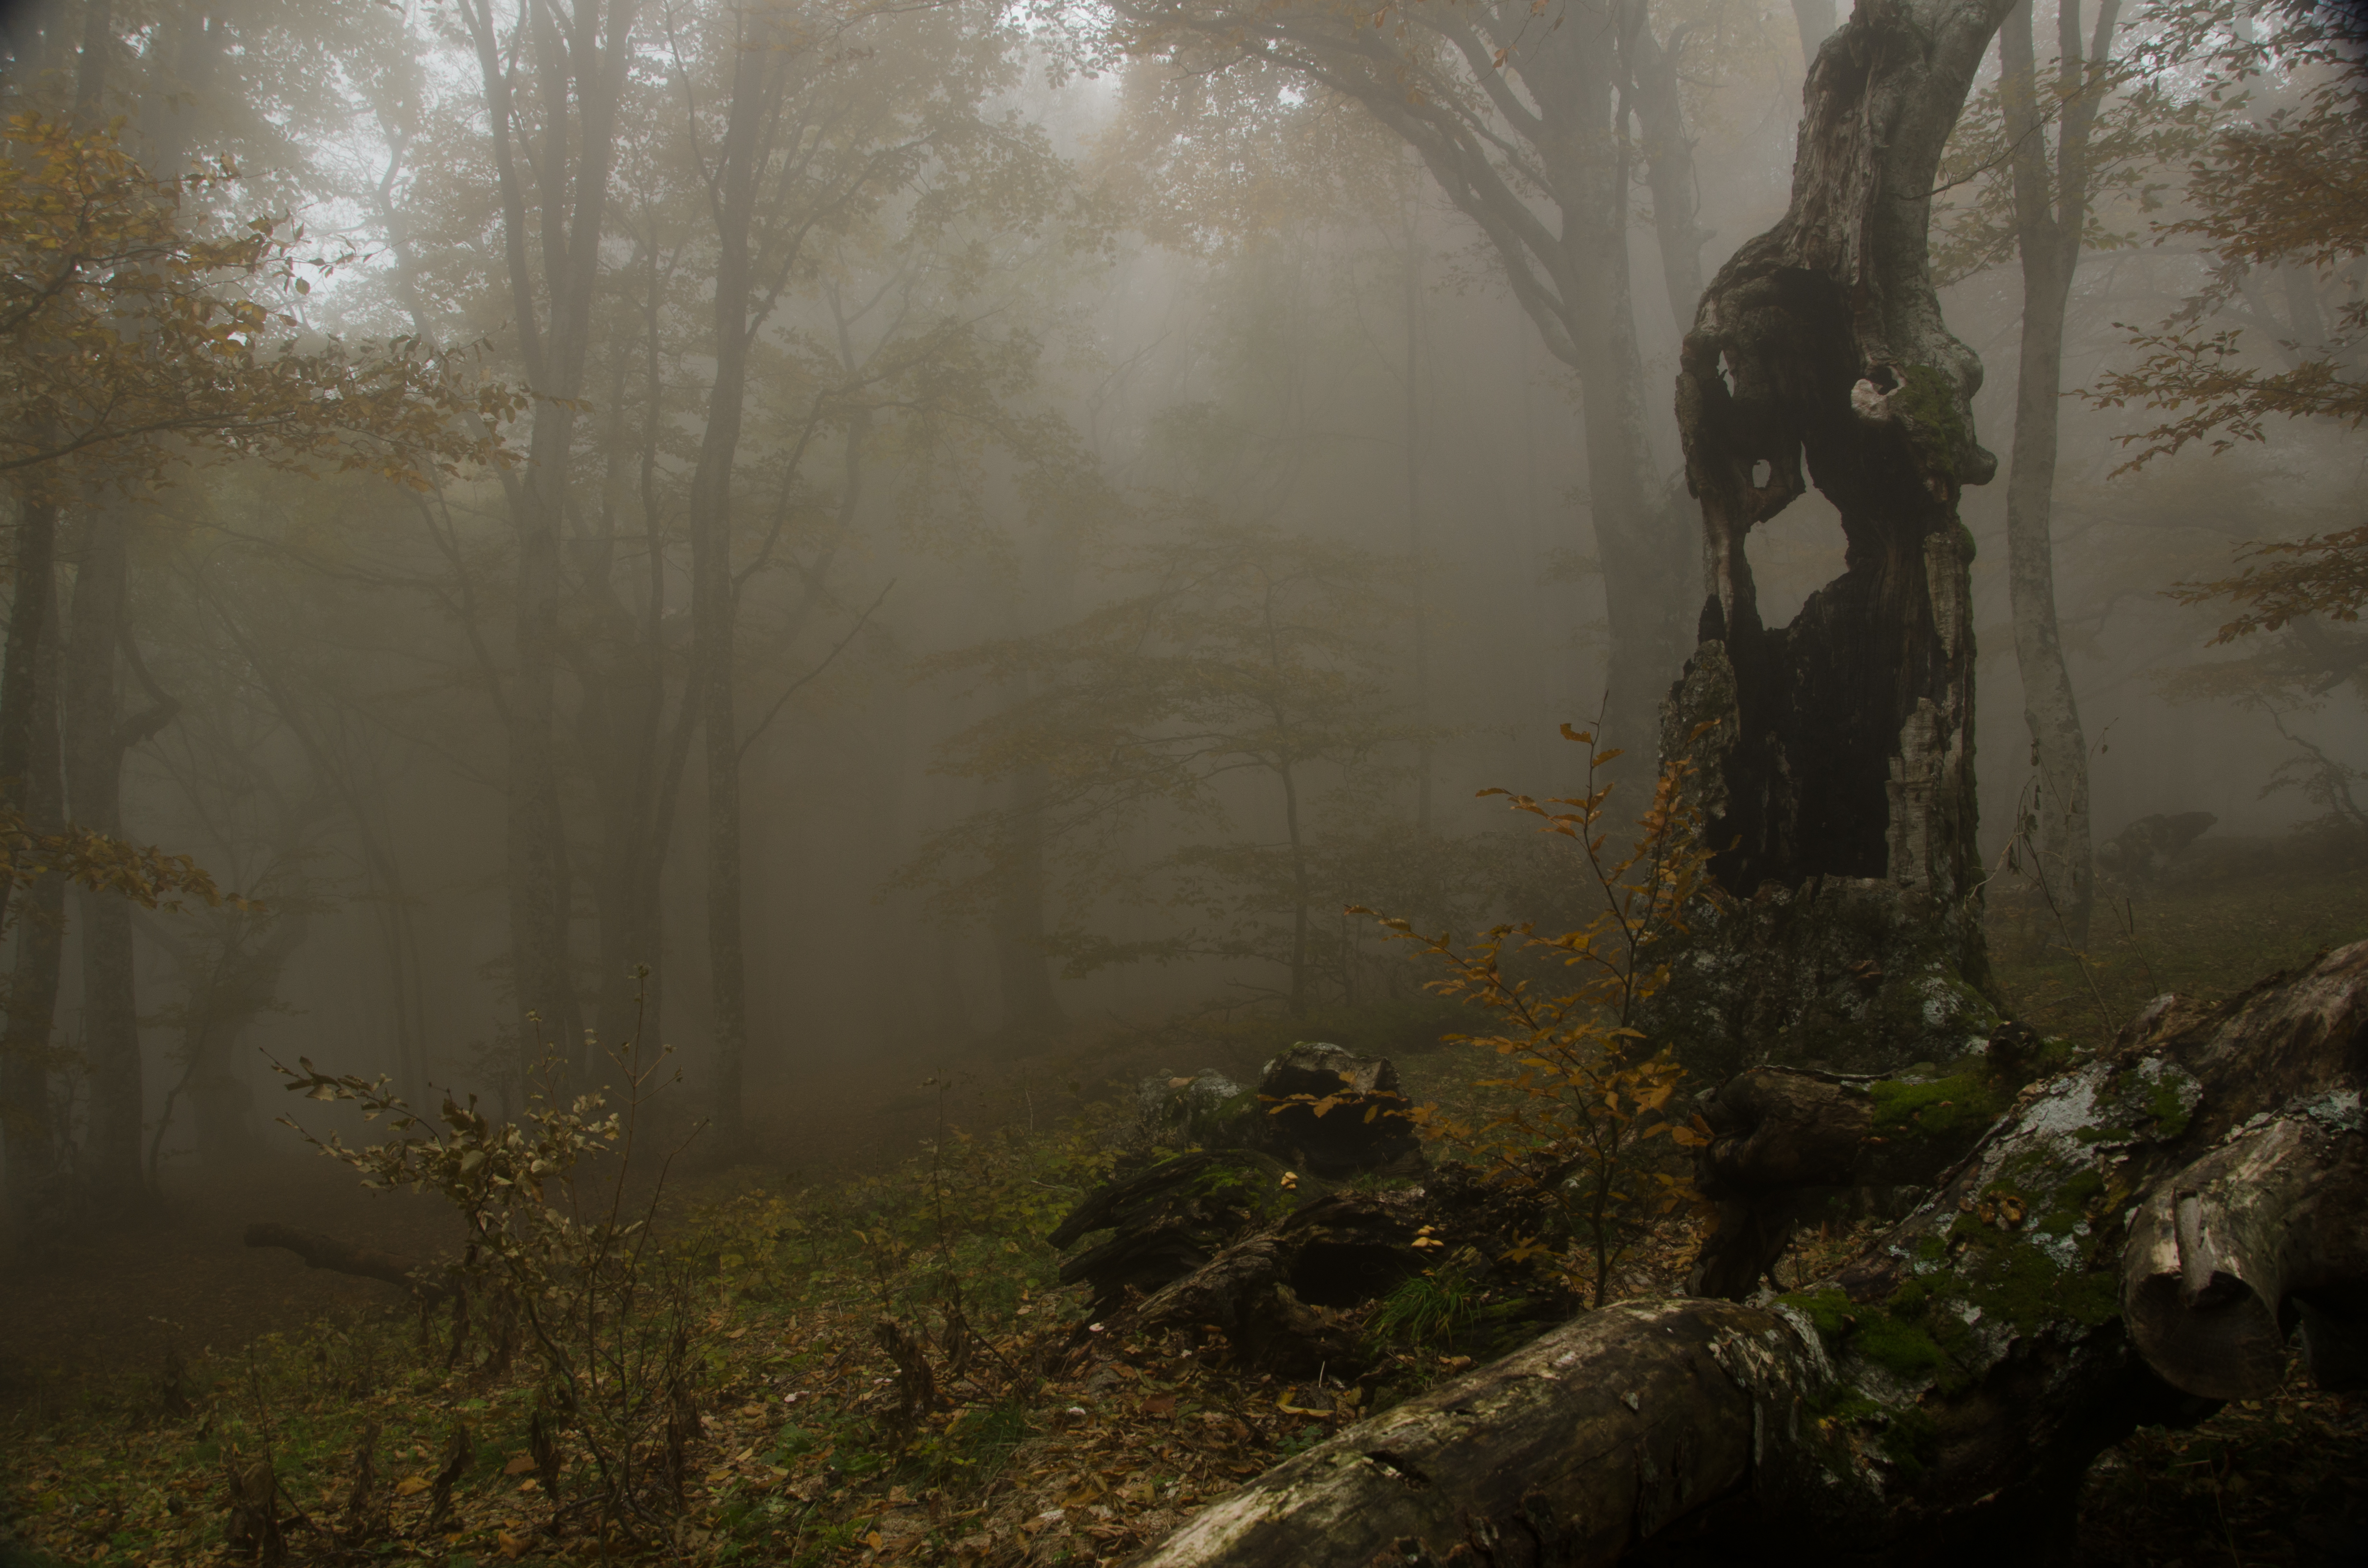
x,y
885,1369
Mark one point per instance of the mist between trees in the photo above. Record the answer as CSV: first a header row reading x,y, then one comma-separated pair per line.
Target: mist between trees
x,y
937,530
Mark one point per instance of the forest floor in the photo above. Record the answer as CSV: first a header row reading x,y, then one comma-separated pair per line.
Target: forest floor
x,y
140,1370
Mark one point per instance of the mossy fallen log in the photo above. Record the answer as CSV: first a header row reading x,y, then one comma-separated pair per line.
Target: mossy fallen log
x,y
2120,1245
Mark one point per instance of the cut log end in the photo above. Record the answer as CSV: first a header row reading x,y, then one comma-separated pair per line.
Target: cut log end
x,y
2223,1256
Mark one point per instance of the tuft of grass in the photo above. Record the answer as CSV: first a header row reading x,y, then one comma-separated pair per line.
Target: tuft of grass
x,y
1430,1309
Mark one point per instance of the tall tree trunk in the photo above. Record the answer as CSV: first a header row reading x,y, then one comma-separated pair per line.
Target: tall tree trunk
x,y
1415,370
36,908
1652,83
95,744
713,594
1297,846
96,737
1031,1007
2048,225
580,58
31,770
1645,560
1836,753
621,668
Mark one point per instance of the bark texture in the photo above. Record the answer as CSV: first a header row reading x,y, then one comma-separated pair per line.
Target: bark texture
x,y
96,736
1837,751
579,56
714,602
2051,209
36,910
2115,1247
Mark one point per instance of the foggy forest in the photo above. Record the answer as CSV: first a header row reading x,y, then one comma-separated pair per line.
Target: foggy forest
x,y
1255,782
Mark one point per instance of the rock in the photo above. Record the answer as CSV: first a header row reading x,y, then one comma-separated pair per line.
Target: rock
x,y
1847,974
2147,849
1335,1113
1318,1108
1180,1109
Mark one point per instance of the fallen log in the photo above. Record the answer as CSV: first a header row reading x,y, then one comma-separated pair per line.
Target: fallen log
x,y
2119,1246
344,1257
1274,1293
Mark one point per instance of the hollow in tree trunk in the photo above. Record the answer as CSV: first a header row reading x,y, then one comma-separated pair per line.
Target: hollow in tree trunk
x,y
1836,753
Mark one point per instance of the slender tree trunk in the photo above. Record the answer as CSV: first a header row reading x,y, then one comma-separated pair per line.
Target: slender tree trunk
x,y
1299,898
1030,1003
713,594
2048,228
580,57
1645,560
96,738
1668,148
1415,370
94,750
621,724
31,786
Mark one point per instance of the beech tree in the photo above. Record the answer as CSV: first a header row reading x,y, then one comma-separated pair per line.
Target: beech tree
x,y
141,344
1531,120
552,81
2049,220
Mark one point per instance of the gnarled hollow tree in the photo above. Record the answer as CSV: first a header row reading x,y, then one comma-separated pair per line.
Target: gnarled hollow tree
x,y
1839,752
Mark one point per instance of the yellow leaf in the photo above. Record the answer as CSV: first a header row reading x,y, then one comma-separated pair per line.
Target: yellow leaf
x,y
411,1486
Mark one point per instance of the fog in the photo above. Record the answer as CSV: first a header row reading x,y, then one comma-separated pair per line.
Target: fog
x,y
1124,509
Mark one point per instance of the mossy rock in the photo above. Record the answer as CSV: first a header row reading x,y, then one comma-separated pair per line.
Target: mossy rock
x,y
1852,975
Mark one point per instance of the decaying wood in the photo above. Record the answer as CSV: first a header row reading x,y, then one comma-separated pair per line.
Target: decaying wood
x,y
1170,1220
2277,1215
1784,1141
1946,1390
1273,1293
344,1257
1565,1452
1836,753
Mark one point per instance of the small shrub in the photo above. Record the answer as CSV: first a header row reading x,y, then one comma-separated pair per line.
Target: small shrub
x,y
560,1262
1584,1094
